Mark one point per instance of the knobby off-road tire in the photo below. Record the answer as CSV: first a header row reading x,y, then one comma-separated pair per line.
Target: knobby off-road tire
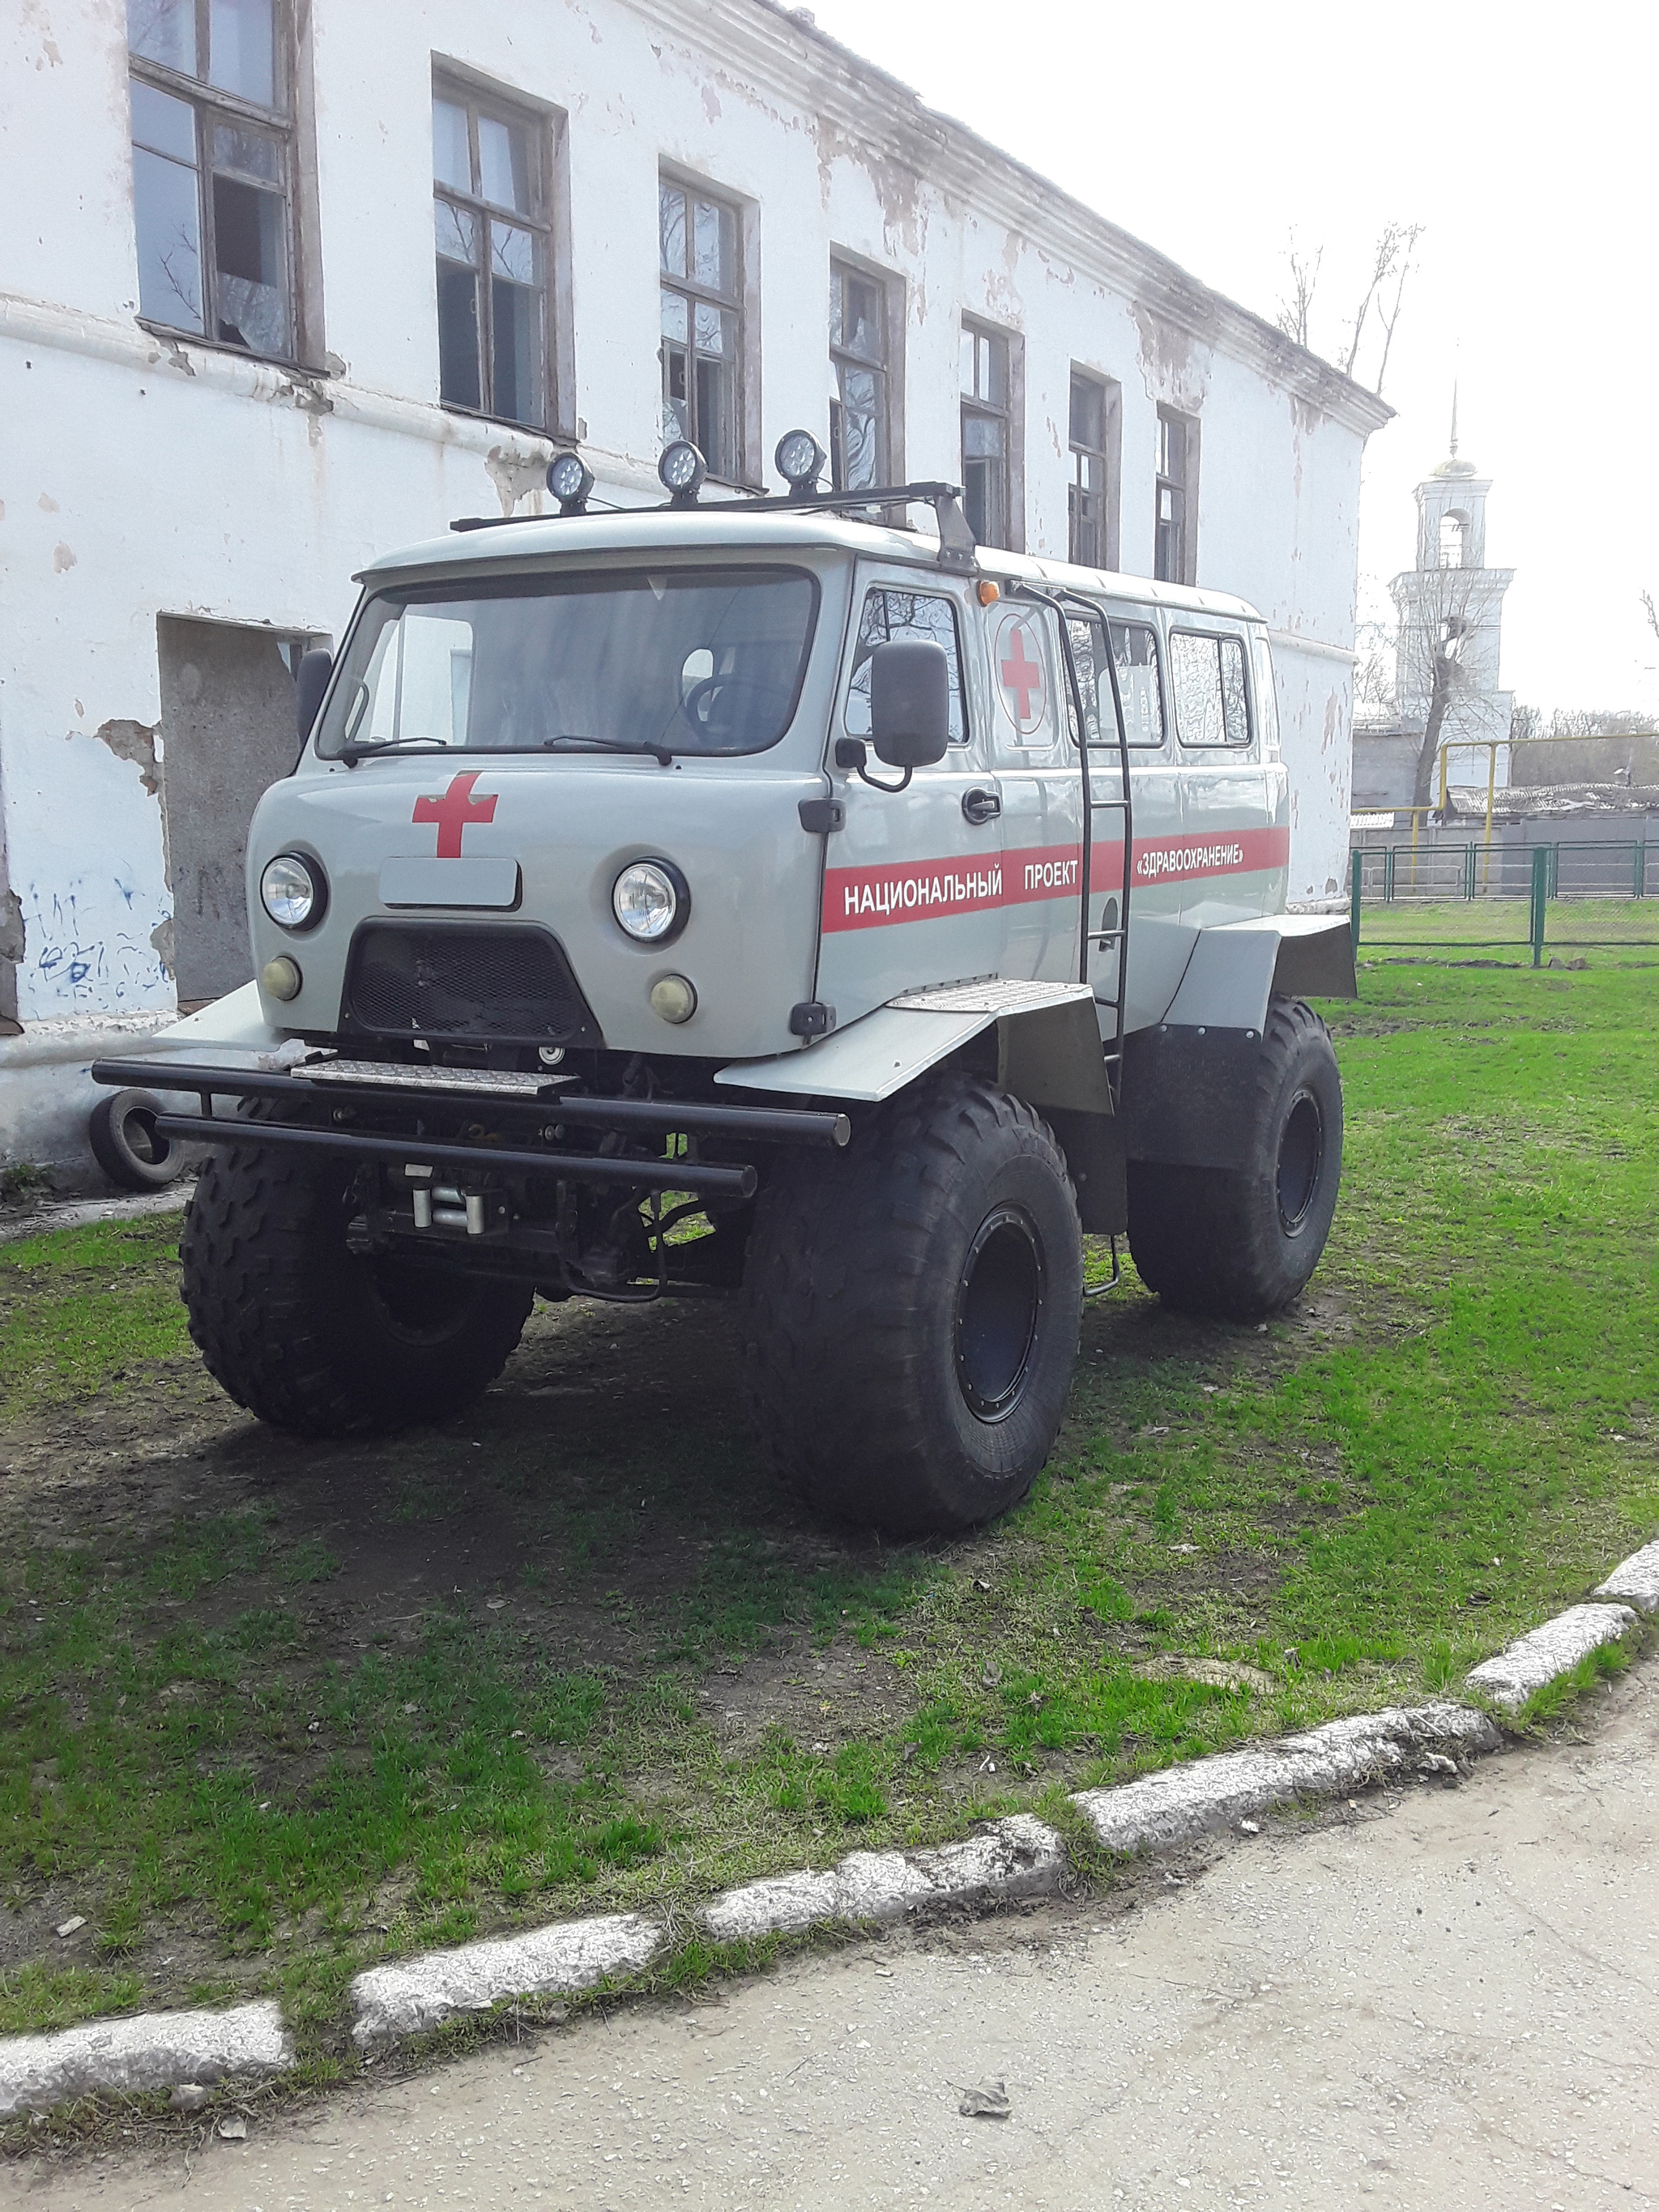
x,y
910,1312
1238,1244
309,1334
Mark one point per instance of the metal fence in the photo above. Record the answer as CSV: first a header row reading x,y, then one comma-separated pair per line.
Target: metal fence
x,y
1579,892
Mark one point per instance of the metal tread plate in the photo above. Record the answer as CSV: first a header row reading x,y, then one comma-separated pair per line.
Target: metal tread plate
x,y
989,996
397,1075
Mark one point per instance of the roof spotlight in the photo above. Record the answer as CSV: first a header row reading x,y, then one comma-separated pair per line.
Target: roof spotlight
x,y
569,479
682,469
800,459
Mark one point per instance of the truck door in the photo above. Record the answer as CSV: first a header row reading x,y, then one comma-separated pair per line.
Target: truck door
x,y
1230,846
1041,790
1160,939
913,884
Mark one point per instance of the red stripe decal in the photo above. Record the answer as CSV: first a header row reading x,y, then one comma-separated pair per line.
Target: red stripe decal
x,y
927,890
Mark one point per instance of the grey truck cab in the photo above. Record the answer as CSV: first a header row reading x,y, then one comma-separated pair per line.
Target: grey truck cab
x,y
758,896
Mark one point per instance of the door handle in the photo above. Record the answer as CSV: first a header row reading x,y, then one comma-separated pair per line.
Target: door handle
x,y
979,806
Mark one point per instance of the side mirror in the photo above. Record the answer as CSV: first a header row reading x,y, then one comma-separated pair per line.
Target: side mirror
x,y
310,681
909,703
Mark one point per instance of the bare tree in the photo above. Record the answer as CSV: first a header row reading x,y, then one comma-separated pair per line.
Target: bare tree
x,y
1526,723
1380,300
1294,312
1652,613
1374,653
1436,635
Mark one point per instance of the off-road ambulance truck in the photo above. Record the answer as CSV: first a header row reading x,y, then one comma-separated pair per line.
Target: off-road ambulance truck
x,y
771,896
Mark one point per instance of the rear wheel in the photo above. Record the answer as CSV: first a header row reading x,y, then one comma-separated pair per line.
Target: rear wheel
x,y
911,1312
1241,1242
310,1330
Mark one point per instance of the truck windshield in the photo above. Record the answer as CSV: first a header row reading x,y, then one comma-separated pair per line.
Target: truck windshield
x,y
694,660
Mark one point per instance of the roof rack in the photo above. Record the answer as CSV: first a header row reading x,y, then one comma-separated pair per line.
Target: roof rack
x,y
958,547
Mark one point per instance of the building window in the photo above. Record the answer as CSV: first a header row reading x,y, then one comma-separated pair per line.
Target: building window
x,y
1454,540
986,440
1096,418
701,325
212,170
490,205
1174,546
860,399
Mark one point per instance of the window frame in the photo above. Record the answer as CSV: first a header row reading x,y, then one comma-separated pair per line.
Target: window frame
x,y
1109,453
1183,487
1218,638
890,288
489,102
972,405
736,303
211,105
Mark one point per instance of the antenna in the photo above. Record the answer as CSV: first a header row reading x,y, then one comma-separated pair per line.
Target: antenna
x,y
1454,432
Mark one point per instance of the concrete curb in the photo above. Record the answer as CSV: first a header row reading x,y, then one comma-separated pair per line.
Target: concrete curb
x,y
1533,1661
153,2051
1163,1810
1636,1580
417,1994
1013,1858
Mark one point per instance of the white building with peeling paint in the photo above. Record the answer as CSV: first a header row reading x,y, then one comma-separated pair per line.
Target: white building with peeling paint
x,y
288,282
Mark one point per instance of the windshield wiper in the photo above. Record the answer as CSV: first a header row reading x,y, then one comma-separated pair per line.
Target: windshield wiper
x,y
367,747
659,753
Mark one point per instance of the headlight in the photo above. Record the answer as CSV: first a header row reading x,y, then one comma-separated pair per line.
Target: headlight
x,y
294,891
652,900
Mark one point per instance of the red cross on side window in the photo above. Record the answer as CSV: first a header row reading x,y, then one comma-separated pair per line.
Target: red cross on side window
x,y
1021,676
454,810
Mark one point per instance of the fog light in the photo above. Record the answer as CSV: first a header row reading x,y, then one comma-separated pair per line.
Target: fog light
x,y
280,977
674,997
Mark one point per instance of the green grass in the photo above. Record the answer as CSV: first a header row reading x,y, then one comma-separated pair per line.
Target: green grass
x,y
1502,926
256,1748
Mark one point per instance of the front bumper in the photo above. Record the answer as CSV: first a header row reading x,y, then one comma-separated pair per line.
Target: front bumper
x,y
532,1137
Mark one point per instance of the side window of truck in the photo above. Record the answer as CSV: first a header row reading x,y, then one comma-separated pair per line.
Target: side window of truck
x,y
1140,681
1212,694
892,613
1134,656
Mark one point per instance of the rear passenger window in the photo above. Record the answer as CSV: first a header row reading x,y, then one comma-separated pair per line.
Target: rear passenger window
x,y
1212,700
894,614
1134,652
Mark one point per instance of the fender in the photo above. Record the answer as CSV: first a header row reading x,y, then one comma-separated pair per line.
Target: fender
x,y
1237,966
1048,1045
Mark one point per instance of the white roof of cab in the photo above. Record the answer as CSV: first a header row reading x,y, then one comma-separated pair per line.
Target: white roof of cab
x,y
729,526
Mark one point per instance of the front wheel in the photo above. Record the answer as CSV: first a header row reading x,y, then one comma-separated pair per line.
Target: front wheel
x,y
1239,1243
911,1312
310,1332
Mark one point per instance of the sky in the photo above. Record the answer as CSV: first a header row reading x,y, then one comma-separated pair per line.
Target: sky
x,y
1522,140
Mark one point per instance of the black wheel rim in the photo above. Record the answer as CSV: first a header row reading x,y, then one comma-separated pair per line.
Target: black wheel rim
x,y
1301,1156
999,1311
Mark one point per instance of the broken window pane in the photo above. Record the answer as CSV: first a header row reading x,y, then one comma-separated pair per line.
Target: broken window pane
x,y
857,382
163,31
1088,413
458,381
676,317
504,165
452,156
247,245
167,218
242,50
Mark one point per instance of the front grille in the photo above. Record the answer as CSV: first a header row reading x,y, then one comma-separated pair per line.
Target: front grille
x,y
502,986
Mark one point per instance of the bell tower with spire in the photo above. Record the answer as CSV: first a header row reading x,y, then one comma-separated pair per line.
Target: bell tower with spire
x,y
1450,607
